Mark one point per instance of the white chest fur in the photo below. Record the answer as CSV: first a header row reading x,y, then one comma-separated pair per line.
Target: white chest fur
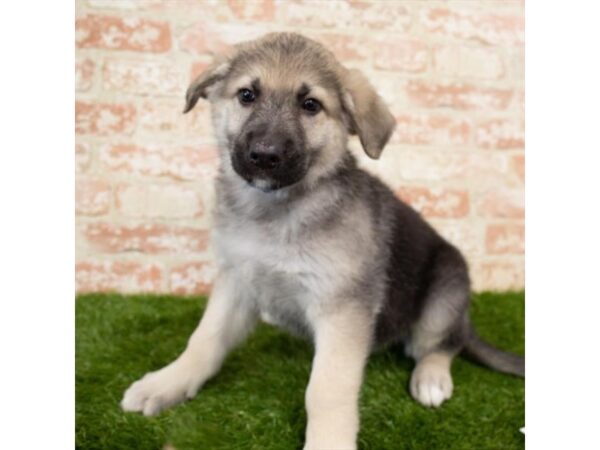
x,y
289,277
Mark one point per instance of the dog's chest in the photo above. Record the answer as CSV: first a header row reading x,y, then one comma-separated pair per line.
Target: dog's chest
x,y
287,277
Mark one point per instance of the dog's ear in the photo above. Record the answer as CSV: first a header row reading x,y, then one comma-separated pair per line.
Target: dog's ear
x,y
213,74
365,113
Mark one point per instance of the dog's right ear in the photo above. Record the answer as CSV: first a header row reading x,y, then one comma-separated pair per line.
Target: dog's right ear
x,y
215,73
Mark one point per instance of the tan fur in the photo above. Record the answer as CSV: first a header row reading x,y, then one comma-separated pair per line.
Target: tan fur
x,y
371,119
199,87
343,342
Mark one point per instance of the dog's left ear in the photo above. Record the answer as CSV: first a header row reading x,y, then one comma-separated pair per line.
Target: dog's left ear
x,y
199,88
365,113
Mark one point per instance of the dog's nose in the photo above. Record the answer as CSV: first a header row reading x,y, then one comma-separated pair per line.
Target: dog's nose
x,y
266,160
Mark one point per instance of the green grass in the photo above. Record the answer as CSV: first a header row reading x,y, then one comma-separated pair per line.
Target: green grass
x,y
257,400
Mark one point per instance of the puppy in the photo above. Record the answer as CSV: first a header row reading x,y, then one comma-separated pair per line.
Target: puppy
x,y
307,241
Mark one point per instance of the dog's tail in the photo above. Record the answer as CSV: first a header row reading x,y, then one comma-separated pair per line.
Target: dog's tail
x,y
490,356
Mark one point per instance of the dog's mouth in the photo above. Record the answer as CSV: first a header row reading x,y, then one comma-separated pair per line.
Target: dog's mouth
x,y
272,185
264,185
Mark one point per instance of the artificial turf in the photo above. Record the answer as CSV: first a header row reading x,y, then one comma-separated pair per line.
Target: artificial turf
x,y
257,400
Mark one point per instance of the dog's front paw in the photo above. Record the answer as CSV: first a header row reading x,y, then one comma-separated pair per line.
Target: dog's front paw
x,y
431,385
162,389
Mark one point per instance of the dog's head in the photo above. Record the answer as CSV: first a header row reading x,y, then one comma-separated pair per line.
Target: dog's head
x,y
283,108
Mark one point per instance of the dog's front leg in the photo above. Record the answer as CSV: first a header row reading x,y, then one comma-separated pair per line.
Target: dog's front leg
x,y
343,342
226,321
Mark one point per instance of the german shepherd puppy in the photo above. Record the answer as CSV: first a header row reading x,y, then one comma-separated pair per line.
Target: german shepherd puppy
x,y
306,240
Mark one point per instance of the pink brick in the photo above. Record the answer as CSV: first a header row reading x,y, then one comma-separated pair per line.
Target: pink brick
x,y
192,278
468,62
143,76
505,239
484,27
465,234
206,38
502,203
405,55
460,96
129,5
145,238
261,10
198,67
431,129
344,15
518,165
448,203
92,197
184,163
84,74
498,274
380,15
104,118
304,14
519,102
179,10
118,276
116,33
168,201
158,116
501,134
83,157
345,47
516,57
482,169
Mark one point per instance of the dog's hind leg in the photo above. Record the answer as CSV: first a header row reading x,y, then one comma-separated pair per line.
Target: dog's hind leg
x,y
439,333
433,346
225,323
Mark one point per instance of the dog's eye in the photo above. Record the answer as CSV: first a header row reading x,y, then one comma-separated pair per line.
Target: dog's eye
x,y
246,96
311,105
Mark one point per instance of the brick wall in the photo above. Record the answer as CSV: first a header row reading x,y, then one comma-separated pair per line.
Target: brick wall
x,y
452,72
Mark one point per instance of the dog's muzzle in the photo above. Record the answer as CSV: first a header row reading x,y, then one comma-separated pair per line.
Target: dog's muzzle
x,y
269,162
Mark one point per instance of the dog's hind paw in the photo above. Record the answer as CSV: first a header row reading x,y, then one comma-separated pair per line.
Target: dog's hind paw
x,y
431,383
